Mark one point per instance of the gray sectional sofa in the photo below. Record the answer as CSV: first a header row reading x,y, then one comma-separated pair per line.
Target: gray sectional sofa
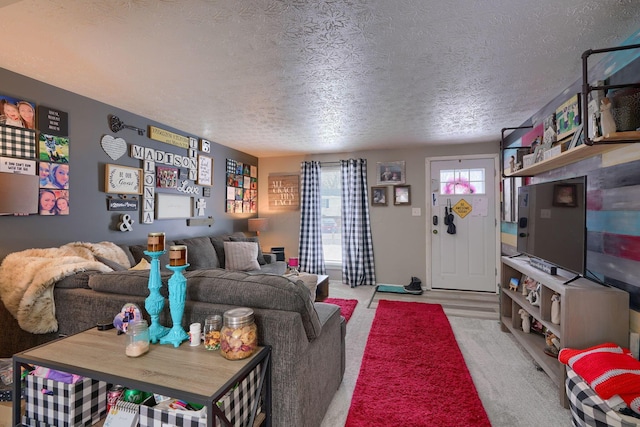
x,y
307,337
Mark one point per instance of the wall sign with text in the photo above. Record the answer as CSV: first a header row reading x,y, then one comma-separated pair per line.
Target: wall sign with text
x,y
284,194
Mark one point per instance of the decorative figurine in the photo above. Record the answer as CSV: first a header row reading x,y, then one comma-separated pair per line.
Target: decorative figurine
x,y
526,320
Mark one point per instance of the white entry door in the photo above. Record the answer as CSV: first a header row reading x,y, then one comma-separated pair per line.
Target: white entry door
x,y
465,189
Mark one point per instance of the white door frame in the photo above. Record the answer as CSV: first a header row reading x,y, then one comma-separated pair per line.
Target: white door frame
x,y
429,209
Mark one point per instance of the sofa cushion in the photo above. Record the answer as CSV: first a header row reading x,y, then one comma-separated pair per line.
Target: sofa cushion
x,y
201,253
268,291
218,245
77,280
130,282
241,256
261,259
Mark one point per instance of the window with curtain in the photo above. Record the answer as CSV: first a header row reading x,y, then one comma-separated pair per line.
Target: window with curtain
x,y
331,209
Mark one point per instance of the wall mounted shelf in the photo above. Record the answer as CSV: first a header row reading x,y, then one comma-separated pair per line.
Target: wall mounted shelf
x,y
573,155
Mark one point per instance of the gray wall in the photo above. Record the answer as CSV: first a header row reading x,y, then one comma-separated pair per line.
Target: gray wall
x,y
399,239
89,220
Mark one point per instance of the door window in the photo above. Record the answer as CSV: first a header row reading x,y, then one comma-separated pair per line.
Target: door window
x,y
462,181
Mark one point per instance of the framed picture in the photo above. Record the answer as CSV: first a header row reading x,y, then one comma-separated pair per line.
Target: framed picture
x,y
568,117
378,196
205,171
402,195
565,195
122,179
166,177
390,172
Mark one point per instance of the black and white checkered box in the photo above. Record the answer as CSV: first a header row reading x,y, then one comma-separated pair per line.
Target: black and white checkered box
x,y
236,405
588,409
54,403
17,142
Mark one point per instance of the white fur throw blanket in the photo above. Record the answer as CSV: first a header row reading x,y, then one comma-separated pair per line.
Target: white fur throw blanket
x,y
27,279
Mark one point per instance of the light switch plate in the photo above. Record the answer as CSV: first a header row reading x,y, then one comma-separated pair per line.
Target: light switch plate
x,y
416,211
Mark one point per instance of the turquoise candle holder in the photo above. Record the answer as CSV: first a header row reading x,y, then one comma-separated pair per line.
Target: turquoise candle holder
x,y
155,302
177,297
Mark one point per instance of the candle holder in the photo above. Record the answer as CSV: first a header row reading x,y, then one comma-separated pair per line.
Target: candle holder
x,y
293,266
177,297
155,302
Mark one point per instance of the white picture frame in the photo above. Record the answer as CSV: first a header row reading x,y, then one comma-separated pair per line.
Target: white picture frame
x,y
205,171
173,206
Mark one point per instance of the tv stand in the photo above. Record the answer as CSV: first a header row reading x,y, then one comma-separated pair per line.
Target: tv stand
x,y
590,314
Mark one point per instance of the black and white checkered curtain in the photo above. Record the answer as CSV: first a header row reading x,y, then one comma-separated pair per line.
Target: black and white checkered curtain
x,y
358,266
310,251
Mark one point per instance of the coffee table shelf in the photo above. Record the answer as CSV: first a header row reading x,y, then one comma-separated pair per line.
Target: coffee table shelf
x,y
190,373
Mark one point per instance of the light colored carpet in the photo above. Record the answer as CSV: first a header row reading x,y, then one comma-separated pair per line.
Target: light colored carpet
x,y
513,392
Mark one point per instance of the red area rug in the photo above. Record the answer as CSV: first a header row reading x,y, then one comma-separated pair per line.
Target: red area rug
x,y
413,373
346,306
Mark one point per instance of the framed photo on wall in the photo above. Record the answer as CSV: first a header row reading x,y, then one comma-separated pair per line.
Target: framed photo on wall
x,y
390,172
122,179
379,196
565,195
402,195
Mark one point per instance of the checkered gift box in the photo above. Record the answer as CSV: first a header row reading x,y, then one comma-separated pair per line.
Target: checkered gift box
x,y
50,402
236,405
587,408
17,142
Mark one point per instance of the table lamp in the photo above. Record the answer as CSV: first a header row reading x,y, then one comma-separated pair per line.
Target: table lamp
x,y
258,225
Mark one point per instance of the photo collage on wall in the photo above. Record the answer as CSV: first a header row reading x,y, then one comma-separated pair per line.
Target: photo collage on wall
x,y
44,139
242,187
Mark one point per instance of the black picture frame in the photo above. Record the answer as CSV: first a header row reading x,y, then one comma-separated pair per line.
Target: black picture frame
x,y
379,196
565,195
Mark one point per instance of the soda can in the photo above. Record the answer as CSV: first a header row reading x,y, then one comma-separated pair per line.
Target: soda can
x,y
113,395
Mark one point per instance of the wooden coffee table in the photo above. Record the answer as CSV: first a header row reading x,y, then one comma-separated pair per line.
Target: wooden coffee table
x,y
322,289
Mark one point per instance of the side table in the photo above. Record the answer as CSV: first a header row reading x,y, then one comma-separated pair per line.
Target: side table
x,y
190,373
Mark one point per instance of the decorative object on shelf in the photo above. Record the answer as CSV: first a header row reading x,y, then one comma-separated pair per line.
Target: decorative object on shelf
x,y
568,117
137,338
177,297
526,320
390,172
239,334
258,224
553,344
155,301
549,124
293,266
607,123
116,125
625,107
555,309
534,296
195,334
577,138
212,326
114,147
177,255
513,284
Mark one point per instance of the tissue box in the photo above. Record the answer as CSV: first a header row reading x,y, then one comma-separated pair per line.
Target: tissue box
x,y
236,406
50,402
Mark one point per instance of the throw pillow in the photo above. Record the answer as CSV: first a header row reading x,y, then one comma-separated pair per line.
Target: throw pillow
x,y
142,265
309,280
241,256
201,253
260,258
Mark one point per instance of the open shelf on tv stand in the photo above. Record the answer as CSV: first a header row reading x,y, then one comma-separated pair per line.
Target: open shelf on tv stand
x,y
590,314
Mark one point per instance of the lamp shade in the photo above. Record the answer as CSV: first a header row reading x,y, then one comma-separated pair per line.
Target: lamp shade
x,y
258,224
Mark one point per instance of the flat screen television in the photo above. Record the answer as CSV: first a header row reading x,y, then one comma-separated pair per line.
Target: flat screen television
x,y
552,222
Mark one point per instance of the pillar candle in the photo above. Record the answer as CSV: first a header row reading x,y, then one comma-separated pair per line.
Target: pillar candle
x,y
155,242
177,255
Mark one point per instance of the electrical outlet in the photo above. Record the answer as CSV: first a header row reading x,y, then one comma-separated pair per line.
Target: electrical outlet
x,y
416,211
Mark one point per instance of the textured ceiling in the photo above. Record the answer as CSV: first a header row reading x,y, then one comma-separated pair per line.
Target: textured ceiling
x,y
276,77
